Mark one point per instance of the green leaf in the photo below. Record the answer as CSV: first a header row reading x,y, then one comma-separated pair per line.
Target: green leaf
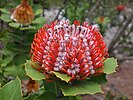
x,y
21,72
36,7
80,87
5,18
6,60
19,59
14,25
12,70
63,77
31,96
51,86
46,96
27,28
4,11
38,12
38,26
106,20
11,91
31,72
109,65
101,79
78,97
39,20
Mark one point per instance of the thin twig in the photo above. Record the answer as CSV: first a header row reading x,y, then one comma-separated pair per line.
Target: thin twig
x,y
43,3
93,8
120,32
128,58
65,2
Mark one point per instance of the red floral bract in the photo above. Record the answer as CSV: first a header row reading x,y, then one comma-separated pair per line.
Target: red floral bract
x,y
76,50
120,7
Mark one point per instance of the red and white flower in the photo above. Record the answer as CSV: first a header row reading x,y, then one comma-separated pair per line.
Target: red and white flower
x,y
76,50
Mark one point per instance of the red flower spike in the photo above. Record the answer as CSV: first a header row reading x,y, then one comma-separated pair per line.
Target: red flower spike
x,y
78,51
120,7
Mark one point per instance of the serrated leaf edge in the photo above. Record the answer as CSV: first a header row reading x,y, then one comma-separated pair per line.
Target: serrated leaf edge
x,y
60,77
29,75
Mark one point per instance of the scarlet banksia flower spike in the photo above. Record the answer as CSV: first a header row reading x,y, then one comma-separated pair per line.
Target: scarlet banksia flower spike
x,y
23,13
76,50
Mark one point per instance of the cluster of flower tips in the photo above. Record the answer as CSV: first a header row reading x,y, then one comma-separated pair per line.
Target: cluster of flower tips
x,y
75,50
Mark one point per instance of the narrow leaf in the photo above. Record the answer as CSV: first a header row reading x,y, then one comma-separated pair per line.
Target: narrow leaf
x,y
11,70
31,96
11,91
15,25
4,11
28,28
109,65
100,79
5,18
39,11
63,77
31,72
80,87
39,20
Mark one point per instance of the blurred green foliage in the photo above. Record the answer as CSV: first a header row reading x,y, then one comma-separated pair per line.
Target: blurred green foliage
x,y
17,40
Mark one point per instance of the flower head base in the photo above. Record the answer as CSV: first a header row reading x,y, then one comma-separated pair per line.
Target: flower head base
x,y
30,86
23,13
76,50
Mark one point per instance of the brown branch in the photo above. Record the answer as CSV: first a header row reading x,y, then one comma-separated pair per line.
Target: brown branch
x,y
93,8
120,32
128,58
65,2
